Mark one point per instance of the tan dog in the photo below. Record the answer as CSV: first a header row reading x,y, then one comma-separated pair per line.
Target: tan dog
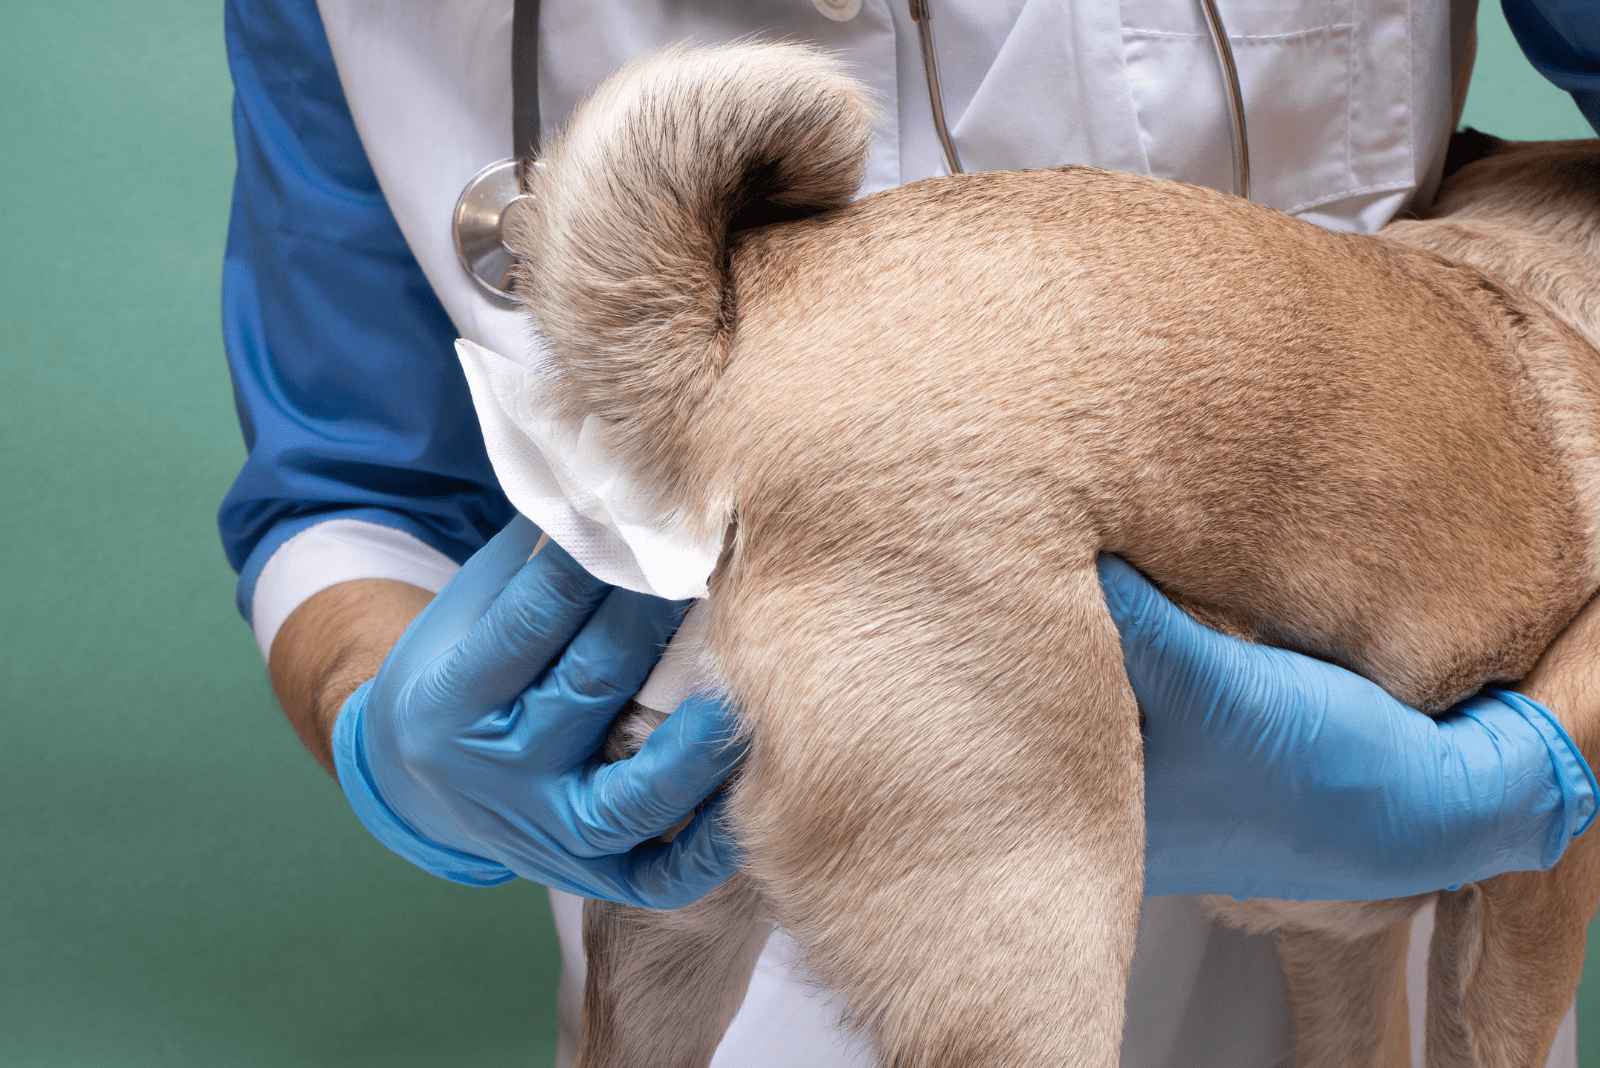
x,y
918,417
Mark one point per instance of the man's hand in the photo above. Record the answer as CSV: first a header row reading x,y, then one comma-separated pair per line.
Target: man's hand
x,y
473,751
1271,774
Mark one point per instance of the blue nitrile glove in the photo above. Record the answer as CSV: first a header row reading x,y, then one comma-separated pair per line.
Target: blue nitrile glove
x,y
473,753
1271,774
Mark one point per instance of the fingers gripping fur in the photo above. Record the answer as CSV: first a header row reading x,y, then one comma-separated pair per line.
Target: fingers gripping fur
x,y
625,255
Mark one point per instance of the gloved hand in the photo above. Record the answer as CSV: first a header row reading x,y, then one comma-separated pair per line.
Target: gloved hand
x,y
472,754
1271,774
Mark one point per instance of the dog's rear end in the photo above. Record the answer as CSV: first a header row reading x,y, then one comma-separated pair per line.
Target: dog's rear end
x,y
921,416
883,795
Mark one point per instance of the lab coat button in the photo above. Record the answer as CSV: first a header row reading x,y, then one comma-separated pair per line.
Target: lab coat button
x,y
838,10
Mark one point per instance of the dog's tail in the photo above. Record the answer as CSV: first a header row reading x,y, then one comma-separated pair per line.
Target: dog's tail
x,y
625,265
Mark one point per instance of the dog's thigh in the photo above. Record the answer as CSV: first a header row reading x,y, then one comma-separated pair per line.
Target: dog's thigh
x,y
1505,962
662,987
950,821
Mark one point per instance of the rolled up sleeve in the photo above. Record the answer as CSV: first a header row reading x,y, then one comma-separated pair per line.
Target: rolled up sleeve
x,y
351,401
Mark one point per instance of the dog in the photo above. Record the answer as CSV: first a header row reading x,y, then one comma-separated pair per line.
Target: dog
x,y
916,418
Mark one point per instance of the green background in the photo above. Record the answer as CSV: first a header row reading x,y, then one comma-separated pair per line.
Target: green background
x,y
180,884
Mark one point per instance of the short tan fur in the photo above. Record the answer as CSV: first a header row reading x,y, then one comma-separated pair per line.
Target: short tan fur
x,y
921,415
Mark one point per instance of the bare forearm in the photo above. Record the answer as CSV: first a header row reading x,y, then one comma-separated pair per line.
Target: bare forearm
x,y
1566,680
333,643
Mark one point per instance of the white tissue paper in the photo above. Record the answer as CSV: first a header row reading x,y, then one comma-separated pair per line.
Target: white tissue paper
x,y
560,475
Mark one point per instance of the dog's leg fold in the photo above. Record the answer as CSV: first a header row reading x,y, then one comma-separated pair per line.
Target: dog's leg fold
x,y
1505,962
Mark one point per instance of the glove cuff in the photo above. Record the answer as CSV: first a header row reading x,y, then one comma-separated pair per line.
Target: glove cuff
x,y
355,778
1578,789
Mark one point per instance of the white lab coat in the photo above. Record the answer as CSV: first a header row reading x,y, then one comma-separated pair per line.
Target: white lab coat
x,y
1348,106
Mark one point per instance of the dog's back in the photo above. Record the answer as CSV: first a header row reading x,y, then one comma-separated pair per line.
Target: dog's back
x,y
1010,372
922,415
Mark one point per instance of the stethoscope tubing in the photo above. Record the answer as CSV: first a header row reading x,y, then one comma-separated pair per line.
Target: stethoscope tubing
x,y
923,17
1230,82
930,69
480,210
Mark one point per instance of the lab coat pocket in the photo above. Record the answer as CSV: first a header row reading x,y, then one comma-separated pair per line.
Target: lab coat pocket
x,y
1326,84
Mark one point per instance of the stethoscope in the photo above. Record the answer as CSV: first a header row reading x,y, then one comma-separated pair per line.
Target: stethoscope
x,y
494,193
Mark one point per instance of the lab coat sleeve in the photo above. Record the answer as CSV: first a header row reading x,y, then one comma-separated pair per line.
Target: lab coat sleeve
x,y
352,403
1562,39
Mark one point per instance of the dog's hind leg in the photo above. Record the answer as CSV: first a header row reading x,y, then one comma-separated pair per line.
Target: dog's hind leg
x,y
946,808
1344,969
1347,997
1506,958
663,986
1508,952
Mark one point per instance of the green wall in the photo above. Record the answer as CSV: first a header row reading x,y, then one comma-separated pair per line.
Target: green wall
x,y
1508,97
180,884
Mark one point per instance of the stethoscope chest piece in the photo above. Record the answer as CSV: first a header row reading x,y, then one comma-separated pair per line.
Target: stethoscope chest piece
x,y
478,227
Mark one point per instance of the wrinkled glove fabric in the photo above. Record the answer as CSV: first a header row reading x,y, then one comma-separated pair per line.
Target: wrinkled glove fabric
x,y
1271,774
473,752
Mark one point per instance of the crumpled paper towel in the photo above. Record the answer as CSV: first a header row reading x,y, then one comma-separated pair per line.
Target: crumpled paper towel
x,y
560,475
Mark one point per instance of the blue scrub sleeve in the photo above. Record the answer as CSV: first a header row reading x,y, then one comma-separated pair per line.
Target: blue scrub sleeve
x,y
1562,39
351,399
